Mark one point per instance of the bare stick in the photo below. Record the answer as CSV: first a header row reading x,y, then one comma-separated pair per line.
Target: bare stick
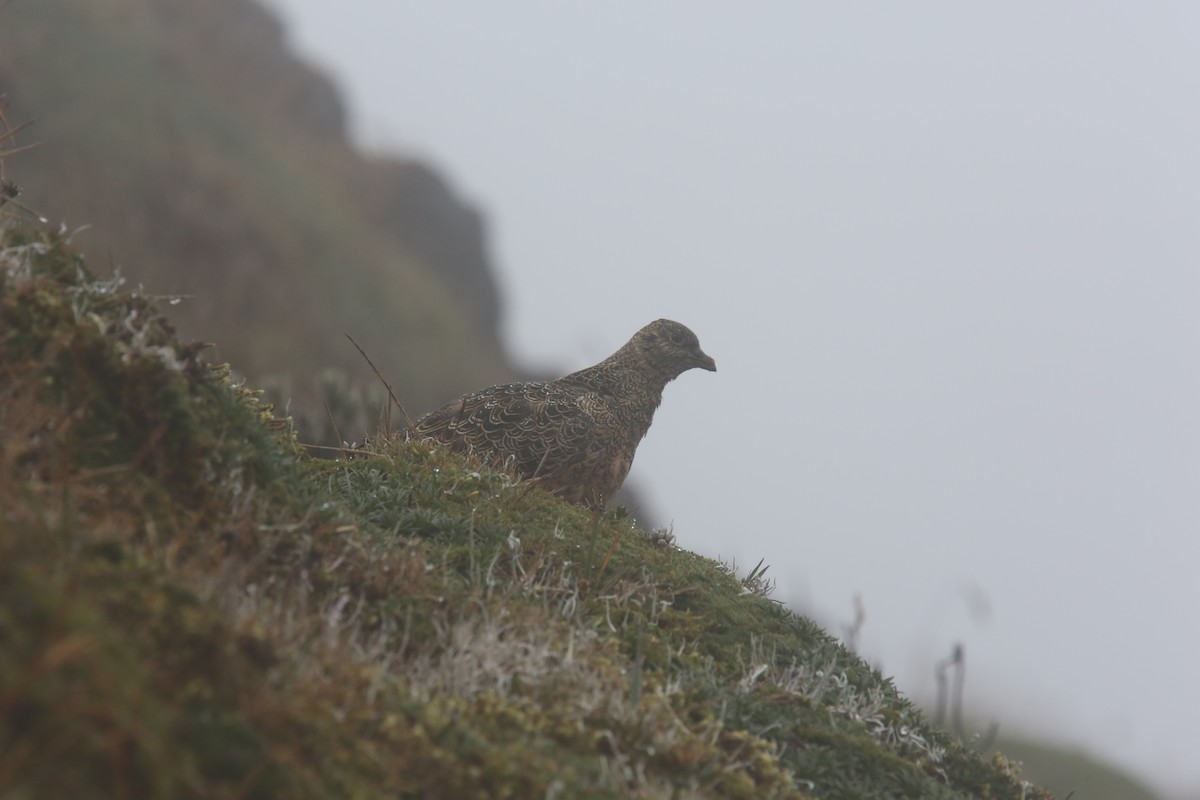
x,y
12,151
956,659
350,451
333,422
407,419
10,132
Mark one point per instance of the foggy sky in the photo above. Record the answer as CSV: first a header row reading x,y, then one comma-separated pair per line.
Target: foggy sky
x,y
947,259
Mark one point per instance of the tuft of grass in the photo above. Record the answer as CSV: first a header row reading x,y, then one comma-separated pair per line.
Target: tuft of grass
x,y
192,607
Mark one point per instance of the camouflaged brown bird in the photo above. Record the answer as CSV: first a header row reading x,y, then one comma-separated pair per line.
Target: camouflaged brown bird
x,y
575,436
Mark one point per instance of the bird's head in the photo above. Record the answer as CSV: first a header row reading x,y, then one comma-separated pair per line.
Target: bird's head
x,y
671,348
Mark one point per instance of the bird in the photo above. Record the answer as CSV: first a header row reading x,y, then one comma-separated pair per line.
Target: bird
x,y
575,436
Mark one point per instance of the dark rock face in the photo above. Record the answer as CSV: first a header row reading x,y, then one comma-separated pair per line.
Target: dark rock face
x,y
245,34
417,204
209,160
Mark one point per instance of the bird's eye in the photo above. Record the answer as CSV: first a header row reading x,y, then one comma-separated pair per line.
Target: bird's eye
x,y
676,339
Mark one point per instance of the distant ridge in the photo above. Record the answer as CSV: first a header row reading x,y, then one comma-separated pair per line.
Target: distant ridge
x,y
209,160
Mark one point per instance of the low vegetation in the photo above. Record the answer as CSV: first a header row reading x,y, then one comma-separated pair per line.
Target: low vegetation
x,y
192,607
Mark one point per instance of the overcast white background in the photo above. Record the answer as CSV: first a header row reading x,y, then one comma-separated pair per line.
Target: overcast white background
x,y
947,258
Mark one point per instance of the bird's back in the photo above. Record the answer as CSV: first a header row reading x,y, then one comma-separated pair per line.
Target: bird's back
x,y
558,433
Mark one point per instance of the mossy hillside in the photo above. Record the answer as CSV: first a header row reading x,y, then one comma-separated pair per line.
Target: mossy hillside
x,y
191,608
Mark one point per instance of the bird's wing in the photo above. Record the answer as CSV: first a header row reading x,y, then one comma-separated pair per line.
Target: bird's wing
x,y
535,429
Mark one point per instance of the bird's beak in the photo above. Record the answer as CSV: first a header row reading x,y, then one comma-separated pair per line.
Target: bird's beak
x,y
704,361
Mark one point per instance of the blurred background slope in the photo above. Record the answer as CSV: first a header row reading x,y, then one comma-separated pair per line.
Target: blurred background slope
x,y
208,161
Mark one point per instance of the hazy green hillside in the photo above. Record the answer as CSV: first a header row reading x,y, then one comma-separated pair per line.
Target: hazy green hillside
x,y
1065,771
210,162
191,608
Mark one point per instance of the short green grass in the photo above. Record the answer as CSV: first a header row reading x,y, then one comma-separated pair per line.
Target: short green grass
x,y
190,607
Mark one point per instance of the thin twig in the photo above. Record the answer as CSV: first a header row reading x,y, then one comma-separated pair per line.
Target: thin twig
x,y
542,463
12,151
350,451
407,419
337,435
10,132
855,628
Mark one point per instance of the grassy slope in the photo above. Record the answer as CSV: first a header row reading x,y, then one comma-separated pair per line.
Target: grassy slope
x,y
190,608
